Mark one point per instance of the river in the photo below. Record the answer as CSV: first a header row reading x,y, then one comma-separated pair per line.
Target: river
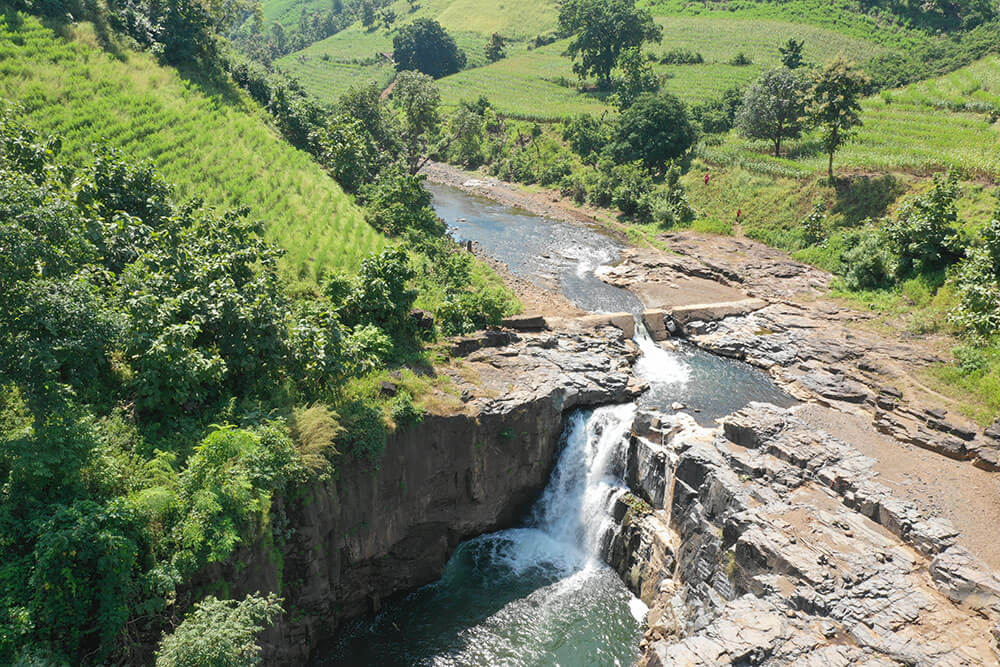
x,y
539,594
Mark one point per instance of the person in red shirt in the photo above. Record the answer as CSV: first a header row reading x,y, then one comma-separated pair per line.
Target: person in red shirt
x,y
706,178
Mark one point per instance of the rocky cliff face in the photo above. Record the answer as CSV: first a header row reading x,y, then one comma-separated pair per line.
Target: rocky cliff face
x,y
342,547
767,542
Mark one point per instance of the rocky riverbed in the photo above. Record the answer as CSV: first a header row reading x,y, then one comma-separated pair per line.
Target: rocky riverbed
x,y
768,542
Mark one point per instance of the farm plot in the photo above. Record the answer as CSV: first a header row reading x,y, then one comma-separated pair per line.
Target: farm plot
x,y
211,143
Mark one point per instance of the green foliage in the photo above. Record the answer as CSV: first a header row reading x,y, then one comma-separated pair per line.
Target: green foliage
x,y
813,231
654,130
495,48
419,102
924,236
424,46
868,263
398,204
681,57
740,60
773,107
977,286
791,53
315,430
586,135
404,412
381,295
603,30
219,633
834,102
633,77
226,485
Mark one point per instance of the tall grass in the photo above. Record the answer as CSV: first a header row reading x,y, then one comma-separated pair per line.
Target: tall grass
x,y
210,140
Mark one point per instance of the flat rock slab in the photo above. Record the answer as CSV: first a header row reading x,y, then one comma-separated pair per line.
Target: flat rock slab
x,y
713,312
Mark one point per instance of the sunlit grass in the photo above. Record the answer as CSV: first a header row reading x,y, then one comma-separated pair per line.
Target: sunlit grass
x,y
212,142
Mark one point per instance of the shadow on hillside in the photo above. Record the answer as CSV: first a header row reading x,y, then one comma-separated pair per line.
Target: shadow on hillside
x,y
861,197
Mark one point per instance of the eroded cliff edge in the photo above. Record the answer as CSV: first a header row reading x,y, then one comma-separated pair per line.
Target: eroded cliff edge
x,y
339,548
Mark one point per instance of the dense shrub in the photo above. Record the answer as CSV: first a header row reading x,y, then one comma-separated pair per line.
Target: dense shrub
x,y
425,46
654,130
586,135
219,633
681,57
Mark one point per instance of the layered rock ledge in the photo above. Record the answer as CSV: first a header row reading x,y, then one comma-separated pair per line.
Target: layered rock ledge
x,y
339,548
767,542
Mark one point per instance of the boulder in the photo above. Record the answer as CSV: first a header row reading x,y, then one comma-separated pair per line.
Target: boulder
x,y
422,319
655,321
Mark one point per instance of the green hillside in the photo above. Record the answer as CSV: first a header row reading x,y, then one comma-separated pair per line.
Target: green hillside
x,y
943,123
540,83
210,140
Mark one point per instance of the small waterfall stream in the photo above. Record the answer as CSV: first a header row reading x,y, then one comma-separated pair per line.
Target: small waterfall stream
x,y
540,594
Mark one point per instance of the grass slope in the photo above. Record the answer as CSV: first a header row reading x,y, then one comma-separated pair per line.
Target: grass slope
x,y
942,123
212,143
540,84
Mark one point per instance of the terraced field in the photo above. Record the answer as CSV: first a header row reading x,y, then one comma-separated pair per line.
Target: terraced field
x,y
540,84
941,123
212,143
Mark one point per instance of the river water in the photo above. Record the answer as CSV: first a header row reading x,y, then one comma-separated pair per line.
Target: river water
x,y
539,594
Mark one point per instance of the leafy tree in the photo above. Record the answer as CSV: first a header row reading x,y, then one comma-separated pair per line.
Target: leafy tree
x,y
424,46
654,130
773,107
398,204
467,135
367,14
586,135
220,633
977,285
603,30
924,236
380,295
495,49
791,53
419,102
833,104
634,77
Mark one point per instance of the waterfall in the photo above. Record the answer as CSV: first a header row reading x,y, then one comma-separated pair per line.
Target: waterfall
x,y
575,506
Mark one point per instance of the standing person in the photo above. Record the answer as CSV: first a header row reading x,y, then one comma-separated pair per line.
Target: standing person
x,y
706,178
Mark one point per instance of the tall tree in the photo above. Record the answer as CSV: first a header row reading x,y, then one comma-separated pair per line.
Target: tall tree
x,y
419,101
791,53
834,102
602,30
425,46
773,107
495,48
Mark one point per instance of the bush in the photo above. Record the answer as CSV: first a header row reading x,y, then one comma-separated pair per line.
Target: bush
x,y
220,633
741,60
681,57
404,412
868,264
924,236
425,46
398,204
586,135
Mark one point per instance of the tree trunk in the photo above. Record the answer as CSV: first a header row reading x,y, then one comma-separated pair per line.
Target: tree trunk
x,y
830,168
777,146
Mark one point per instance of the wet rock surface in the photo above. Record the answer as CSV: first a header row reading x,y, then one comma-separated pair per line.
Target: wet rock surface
x,y
767,542
813,347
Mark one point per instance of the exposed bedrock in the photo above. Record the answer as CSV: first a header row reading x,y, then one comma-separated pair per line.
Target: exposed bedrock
x,y
340,548
767,542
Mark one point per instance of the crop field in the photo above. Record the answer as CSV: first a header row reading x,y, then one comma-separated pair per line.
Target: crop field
x,y
211,143
353,57
540,84
918,129
844,17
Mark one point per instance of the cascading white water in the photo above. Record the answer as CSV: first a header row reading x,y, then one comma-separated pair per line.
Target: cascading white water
x,y
656,365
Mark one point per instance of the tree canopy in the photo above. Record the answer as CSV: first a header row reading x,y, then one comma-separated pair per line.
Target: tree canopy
x,y
424,46
654,130
602,30
773,107
834,103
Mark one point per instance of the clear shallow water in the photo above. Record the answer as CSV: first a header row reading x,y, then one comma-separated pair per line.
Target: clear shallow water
x,y
539,594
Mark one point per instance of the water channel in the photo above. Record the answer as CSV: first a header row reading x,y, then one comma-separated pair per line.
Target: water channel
x,y
539,594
